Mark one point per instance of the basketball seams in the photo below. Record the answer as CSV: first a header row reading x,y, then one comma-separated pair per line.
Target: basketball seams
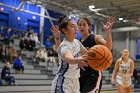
x,y
104,57
107,59
104,53
94,59
98,52
107,63
102,62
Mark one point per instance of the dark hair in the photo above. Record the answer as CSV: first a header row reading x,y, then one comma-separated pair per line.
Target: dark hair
x,y
63,22
88,22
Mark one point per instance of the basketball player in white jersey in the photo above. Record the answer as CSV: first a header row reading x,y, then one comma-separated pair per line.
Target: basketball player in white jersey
x,y
69,53
123,72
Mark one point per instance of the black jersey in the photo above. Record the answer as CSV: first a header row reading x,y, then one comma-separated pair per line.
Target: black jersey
x,y
88,43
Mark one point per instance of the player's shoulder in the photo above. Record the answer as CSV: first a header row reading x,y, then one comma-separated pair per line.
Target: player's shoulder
x,y
76,40
118,61
63,43
131,61
98,36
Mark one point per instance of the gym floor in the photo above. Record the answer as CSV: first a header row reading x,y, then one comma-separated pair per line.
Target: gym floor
x,y
104,91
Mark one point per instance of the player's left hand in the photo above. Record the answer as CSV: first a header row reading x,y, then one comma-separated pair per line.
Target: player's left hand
x,y
108,25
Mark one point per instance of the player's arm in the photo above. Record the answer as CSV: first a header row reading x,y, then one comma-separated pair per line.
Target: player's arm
x,y
83,50
115,69
100,40
57,37
57,42
64,52
130,74
107,28
71,60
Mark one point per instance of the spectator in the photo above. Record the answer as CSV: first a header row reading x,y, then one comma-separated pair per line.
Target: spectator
x,y
41,54
4,53
48,43
0,51
22,44
34,38
7,36
18,65
6,75
136,75
52,55
13,54
1,82
30,31
28,44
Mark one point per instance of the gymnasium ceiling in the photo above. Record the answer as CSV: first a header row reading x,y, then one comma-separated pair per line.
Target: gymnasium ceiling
x,y
129,10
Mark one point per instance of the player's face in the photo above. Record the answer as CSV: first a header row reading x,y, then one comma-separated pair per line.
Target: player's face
x,y
83,26
71,29
125,53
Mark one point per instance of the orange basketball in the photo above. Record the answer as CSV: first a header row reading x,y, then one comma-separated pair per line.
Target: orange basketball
x,y
99,57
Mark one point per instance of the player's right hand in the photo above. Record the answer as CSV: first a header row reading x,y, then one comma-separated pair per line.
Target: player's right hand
x,y
55,31
82,63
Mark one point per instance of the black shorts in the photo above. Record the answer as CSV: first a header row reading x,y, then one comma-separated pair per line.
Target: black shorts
x,y
88,83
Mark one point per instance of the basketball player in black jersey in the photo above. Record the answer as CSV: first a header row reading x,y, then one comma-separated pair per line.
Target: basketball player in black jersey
x,y
90,79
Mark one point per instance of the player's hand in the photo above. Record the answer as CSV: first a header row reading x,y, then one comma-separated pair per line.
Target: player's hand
x,y
82,65
56,32
113,81
82,62
126,76
107,26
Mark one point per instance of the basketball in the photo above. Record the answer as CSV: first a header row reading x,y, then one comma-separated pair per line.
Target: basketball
x,y
99,57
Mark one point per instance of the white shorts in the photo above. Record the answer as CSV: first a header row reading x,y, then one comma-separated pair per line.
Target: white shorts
x,y
124,83
65,85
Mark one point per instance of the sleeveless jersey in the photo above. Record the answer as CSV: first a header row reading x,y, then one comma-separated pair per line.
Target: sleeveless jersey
x,y
88,43
65,69
124,68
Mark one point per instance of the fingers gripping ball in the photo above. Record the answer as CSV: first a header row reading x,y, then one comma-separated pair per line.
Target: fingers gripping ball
x,y
99,57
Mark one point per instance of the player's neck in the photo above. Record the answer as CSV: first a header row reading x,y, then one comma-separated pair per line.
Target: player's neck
x,y
84,37
125,60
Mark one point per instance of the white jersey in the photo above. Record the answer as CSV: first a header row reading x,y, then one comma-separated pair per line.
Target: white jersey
x,y
124,69
65,69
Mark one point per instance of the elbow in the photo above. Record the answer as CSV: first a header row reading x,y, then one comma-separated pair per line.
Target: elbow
x,y
109,47
131,74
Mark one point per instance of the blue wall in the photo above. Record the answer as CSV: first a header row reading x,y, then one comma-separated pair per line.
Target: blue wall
x,y
138,49
10,19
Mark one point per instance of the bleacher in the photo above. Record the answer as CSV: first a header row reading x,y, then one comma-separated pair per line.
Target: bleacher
x,y
35,78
